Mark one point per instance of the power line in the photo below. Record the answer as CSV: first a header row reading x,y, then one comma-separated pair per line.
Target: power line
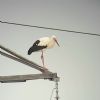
x,y
50,28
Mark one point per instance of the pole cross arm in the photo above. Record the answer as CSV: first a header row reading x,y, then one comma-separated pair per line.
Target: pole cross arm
x,y
23,78
46,74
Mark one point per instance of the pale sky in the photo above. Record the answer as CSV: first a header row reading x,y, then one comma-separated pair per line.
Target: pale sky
x,y
77,60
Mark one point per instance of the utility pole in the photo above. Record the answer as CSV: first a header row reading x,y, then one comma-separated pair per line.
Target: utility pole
x,y
46,74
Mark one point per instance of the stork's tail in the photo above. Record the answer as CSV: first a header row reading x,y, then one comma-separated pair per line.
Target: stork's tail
x,y
30,51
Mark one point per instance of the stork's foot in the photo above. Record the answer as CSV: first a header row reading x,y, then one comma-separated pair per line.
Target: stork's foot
x,y
45,68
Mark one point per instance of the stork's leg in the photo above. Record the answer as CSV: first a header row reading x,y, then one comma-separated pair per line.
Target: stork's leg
x,y
42,58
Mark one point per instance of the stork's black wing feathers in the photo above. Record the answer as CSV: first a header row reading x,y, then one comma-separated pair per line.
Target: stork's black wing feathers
x,y
36,42
35,47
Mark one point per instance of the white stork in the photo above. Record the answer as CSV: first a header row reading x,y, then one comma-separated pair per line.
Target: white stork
x,y
43,43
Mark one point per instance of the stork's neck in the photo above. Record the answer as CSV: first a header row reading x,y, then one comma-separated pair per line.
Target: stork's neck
x,y
51,43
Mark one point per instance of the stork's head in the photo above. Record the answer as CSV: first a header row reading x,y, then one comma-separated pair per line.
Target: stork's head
x,y
55,39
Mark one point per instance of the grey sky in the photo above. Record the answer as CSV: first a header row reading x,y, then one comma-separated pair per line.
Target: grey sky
x,y
77,61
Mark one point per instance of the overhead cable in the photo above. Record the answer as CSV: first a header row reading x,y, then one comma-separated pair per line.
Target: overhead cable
x,y
50,28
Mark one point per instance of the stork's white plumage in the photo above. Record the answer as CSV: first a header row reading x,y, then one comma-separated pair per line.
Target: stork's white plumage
x,y
43,43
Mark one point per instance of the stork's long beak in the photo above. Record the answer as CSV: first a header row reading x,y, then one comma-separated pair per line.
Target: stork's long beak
x,y
57,42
